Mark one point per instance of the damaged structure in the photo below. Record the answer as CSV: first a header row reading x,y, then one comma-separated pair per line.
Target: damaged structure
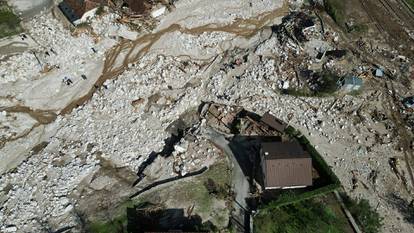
x,y
285,165
351,83
79,11
273,122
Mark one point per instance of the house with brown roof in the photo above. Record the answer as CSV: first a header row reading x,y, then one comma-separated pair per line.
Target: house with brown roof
x,y
273,122
285,165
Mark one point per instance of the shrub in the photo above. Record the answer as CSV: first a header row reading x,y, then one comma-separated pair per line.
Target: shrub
x,y
306,217
411,3
328,85
336,9
368,219
7,17
9,23
100,10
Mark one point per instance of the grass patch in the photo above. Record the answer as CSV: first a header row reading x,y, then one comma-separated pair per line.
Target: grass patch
x,y
117,225
199,191
358,28
194,190
368,219
298,92
326,82
9,22
410,2
336,9
307,217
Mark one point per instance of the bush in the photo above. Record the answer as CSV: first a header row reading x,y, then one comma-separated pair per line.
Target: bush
x,y
336,9
326,82
368,219
328,85
9,23
359,28
7,17
306,217
100,10
411,3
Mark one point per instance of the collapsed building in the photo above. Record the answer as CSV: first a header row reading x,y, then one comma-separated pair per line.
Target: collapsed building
x,y
79,11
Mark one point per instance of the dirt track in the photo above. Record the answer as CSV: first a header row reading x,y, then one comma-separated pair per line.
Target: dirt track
x,y
392,19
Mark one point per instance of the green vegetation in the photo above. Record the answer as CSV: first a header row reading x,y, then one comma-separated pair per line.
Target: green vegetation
x,y
326,87
358,28
100,10
298,92
368,219
83,25
192,190
305,217
336,9
9,22
200,191
410,2
117,225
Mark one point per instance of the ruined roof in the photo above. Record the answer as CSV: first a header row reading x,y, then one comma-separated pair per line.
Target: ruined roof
x,y
74,9
273,122
286,164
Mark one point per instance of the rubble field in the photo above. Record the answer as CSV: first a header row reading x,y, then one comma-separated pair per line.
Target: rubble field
x,y
81,114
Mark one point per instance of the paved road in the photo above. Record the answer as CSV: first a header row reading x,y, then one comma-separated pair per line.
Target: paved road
x,y
240,182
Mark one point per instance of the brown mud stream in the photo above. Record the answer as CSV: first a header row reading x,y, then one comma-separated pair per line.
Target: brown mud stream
x,y
241,27
42,117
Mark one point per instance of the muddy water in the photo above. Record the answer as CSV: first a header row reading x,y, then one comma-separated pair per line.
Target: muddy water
x,y
42,118
241,27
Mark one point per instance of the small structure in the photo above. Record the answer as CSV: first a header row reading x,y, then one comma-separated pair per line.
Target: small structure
x,y
409,102
351,83
273,122
379,73
79,11
285,165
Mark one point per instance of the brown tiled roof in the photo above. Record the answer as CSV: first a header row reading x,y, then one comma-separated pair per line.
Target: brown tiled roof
x,y
286,164
273,122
